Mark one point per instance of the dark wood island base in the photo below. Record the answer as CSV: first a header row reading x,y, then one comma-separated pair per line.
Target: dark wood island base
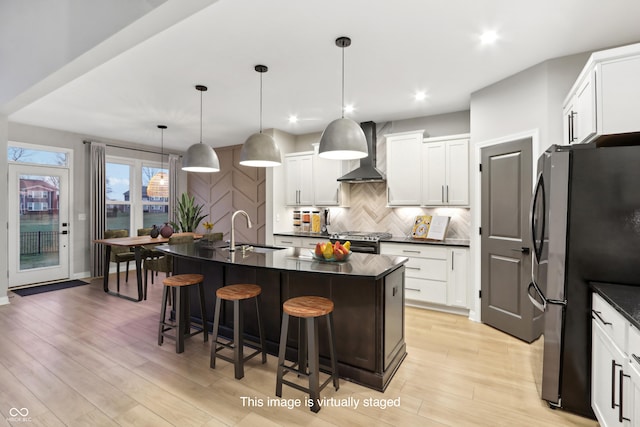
x,y
367,291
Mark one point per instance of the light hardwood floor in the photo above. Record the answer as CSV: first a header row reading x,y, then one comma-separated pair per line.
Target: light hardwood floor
x,y
81,357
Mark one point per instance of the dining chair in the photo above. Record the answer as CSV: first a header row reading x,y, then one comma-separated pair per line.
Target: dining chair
x,y
163,263
120,254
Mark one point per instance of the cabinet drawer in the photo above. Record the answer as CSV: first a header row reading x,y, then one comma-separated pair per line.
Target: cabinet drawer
x,y
634,347
425,290
427,268
610,320
287,241
414,250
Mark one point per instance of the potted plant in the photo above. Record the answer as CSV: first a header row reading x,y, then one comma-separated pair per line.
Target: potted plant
x,y
188,214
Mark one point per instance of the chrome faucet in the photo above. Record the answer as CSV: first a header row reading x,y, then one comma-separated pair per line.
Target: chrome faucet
x,y
232,244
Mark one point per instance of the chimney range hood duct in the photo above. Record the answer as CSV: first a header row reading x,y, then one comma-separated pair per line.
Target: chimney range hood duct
x,y
367,172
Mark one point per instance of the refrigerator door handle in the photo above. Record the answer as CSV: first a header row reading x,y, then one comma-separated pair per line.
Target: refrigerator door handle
x,y
538,192
540,306
545,301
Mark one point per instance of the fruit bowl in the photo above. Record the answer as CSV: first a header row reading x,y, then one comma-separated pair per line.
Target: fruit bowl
x,y
332,259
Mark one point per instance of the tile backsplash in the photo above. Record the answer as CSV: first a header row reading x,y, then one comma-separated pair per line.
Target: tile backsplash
x,y
369,212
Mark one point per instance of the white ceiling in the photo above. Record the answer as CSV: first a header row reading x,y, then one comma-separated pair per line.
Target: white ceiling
x,y
398,47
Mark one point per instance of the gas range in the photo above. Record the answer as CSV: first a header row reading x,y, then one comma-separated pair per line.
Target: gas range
x,y
361,241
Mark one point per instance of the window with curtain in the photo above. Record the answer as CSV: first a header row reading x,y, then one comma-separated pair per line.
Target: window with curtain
x,y
128,205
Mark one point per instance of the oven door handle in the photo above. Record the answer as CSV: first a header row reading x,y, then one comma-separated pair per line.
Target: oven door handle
x,y
363,249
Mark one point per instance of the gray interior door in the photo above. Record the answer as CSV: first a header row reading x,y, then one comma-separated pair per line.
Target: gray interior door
x,y
506,254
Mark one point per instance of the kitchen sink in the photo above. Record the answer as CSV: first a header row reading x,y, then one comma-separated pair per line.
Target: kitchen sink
x,y
253,248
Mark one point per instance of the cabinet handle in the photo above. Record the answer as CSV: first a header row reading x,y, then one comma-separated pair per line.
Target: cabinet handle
x,y
569,130
637,359
286,241
573,134
453,255
447,194
613,383
413,289
442,193
413,268
409,251
621,418
598,315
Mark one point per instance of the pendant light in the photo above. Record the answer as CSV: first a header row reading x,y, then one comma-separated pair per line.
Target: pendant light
x,y
343,139
200,157
260,150
159,183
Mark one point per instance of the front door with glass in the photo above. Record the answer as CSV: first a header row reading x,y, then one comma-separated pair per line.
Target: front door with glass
x,y
38,224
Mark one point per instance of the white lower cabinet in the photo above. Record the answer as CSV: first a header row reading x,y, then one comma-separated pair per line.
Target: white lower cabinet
x,y
298,241
434,274
615,367
634,376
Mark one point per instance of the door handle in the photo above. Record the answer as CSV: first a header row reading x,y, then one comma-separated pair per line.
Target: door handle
x,y
523,250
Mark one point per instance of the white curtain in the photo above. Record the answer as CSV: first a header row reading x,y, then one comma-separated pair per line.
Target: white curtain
x,y
174,172
97,194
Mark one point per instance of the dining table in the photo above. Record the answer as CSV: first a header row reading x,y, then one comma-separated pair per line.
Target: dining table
x,y
136,243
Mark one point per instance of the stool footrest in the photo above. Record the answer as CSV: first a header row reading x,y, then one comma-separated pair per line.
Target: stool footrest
x,y
230,346
304,374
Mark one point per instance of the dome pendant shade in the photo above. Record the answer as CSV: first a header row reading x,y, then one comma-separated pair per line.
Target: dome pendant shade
x,y
200,158
343,139
260,150
158,185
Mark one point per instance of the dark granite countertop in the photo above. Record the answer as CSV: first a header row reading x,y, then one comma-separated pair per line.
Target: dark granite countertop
x,y
292,259
624,298
393,239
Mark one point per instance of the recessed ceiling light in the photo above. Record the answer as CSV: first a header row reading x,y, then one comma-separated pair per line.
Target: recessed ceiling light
x,y
488,37
348,108
420,95
293,119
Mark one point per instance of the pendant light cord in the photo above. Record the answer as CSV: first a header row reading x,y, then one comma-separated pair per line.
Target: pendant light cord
x,y
261,102
343,82
200,117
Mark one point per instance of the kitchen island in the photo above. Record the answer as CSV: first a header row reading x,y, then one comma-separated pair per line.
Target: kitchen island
x,y
367,291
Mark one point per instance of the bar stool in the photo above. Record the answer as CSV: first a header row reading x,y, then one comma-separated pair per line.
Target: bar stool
x,y
182,283
309,309
237,293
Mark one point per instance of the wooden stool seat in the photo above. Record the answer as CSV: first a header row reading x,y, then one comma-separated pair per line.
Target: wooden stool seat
x,y
308,310
238,292
183,280
308,306
182,324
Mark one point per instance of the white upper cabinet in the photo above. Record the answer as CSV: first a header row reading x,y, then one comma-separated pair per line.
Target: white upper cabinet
x,y
311,180
404,168
328,191
427,171
605,98
299,178
580,112
445,171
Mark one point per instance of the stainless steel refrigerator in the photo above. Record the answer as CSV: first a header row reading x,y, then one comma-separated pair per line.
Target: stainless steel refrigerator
x,y
585,226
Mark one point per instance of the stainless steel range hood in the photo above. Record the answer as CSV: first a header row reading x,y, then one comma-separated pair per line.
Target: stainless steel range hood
x,y
367,172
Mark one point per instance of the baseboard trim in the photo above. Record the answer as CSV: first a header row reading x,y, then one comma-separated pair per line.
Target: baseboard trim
x,y
4,300
446,309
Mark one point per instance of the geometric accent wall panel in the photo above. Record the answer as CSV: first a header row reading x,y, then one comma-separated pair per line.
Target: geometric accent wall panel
x,y
234,187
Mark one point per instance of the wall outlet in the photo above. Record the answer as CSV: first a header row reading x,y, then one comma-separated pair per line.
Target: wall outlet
x,y
277,217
